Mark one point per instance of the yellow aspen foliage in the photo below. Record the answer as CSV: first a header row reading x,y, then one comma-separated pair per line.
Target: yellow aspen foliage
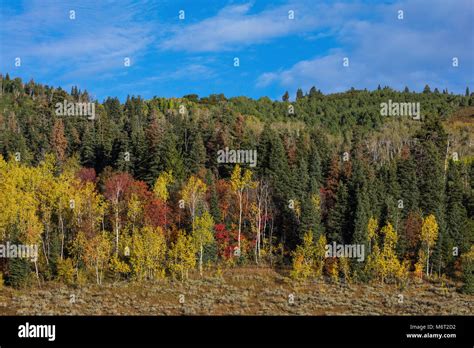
x,y
148,254
8,207
19,205
375,266
429,235
403,273
134,211
192,194
303,258
118,266
372,231
65,269
78,249
160,189
239,183
182,256
308,258
334,270
300,269
297,209
344,268
389,260
316,201
97,253
320,255
383,263
420,264
89,208
119,262
202,234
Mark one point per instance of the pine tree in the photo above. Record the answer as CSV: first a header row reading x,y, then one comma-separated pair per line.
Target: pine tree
x,y
314,170
19,270
171,158
87,149
197,154
407,179
122,153
359,202
468,271
280,179
310,216
299,94
456,215
338,221
213,198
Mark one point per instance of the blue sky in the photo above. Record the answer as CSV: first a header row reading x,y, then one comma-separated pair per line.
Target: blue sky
x,y
171,57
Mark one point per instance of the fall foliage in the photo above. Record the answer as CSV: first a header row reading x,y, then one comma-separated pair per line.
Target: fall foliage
x,y
137,194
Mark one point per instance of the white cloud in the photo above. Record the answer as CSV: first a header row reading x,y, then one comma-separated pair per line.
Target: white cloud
x,y
45,36
387,51
234,26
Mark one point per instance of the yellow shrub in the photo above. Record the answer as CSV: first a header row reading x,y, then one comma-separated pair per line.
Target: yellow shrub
x,y
65,270
301,268
334,271
345,268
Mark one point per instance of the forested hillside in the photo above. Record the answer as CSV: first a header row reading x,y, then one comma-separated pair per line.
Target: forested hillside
x,y
137,192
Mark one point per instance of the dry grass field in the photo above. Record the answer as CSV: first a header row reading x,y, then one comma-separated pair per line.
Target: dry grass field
x,y
237,291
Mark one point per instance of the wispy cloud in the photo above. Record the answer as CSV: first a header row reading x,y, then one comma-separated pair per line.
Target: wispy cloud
x,y
413,51
45,36
235,26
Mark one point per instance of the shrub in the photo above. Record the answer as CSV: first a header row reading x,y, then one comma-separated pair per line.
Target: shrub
x,y
65,269
308,259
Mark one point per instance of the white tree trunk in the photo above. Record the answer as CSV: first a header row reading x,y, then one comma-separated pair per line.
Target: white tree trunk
x,y
240,217
200,260
427,261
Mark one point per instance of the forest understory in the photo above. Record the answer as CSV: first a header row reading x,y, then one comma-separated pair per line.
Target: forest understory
x,y
238,291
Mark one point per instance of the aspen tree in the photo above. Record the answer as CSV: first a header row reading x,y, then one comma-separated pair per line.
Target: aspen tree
x,y
202,235
182,256
239,183
193,193
429,235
